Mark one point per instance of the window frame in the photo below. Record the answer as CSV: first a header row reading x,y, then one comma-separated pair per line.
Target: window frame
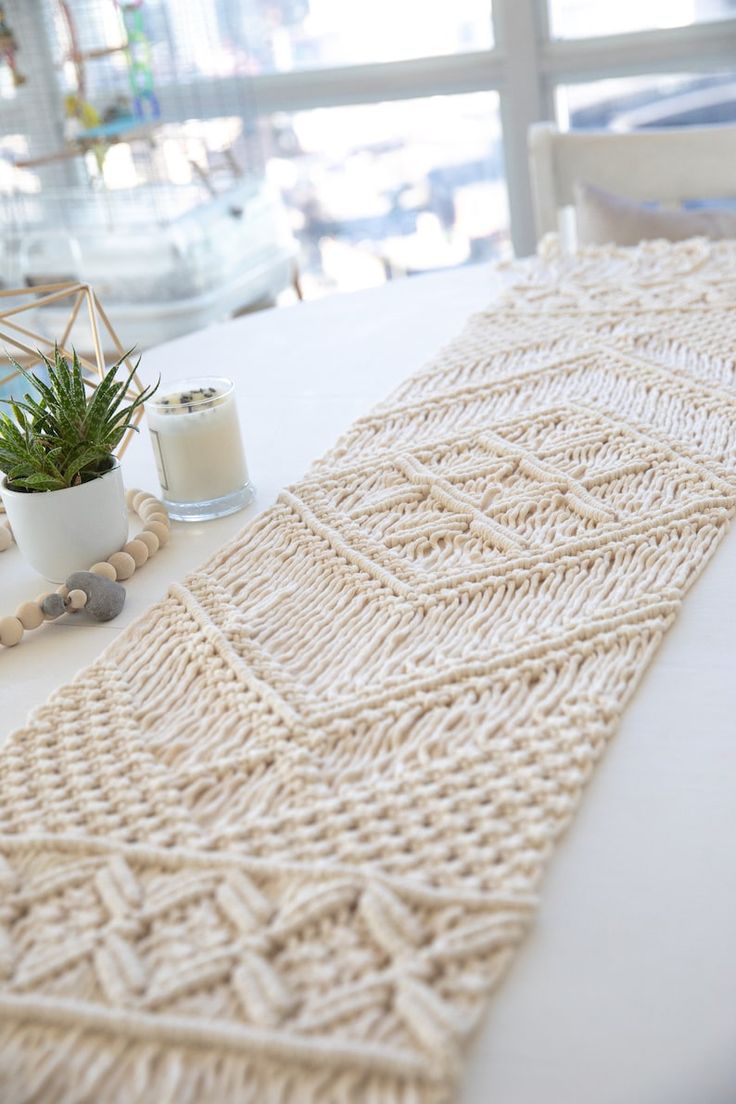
x,y
534,64
524,66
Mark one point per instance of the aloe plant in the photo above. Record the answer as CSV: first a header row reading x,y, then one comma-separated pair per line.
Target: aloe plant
x,y
65,433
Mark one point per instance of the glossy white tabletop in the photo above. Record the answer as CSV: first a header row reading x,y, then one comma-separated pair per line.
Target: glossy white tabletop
x,y
625,992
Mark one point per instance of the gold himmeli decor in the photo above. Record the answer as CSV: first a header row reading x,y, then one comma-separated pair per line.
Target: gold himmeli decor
x,y
18,339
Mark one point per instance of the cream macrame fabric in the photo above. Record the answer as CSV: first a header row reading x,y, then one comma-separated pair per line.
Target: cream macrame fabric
x,y
279,844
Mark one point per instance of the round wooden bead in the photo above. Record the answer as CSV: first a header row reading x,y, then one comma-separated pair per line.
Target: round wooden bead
x,y
77,599
138,549
130,495
11,631
150,540
141,497
161,531
30,615
123,563
63,590
5,538
156,515
106,570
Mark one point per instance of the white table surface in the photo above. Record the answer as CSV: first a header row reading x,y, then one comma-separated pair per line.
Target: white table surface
x,y
625,992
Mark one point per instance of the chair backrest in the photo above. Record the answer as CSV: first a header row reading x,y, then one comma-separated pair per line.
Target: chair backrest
x,y
668,165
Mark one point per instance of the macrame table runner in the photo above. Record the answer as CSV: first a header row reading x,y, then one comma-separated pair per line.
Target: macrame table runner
x,y
279,844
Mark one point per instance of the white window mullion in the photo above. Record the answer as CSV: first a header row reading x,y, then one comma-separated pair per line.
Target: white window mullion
x,y
518,30
304,89
699,47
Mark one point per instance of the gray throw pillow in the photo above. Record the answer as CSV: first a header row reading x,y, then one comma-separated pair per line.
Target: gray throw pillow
x,y
602,217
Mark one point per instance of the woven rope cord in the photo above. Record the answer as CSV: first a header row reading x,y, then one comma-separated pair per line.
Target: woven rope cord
x,y
281,842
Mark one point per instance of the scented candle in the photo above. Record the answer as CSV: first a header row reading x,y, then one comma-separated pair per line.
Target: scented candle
x,y
196,440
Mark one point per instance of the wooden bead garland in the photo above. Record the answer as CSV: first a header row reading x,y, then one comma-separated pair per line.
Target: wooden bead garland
x,y
118,566
123,563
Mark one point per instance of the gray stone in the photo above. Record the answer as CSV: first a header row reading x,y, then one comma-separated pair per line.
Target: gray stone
x,y
53,605
105,599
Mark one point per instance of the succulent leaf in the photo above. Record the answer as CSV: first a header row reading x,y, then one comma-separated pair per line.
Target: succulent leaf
x,y
60,434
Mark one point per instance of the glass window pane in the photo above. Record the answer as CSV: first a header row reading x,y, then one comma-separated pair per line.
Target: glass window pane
x,y
224,37
583,18
629,103
392,188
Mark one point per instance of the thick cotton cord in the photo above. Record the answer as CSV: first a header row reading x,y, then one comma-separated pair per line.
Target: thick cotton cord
x,y
280,843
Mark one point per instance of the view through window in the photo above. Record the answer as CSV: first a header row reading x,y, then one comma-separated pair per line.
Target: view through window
x,y
393,131
380,190
373,190
583,18
221,37
632,103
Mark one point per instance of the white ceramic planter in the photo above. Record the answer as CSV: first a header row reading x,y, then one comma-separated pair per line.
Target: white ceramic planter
x,y
63,531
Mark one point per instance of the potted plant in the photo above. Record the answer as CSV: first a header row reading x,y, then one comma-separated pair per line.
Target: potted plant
x,y
63,488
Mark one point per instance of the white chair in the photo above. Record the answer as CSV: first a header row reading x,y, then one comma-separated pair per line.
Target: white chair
x,y
668,165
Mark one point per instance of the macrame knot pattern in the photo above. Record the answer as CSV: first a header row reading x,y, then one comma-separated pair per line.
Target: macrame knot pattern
x,y
282,840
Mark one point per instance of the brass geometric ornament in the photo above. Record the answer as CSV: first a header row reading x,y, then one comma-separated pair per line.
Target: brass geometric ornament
x,y
83,303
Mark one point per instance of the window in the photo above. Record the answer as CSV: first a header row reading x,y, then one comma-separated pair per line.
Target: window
x,y
383,189
391,127
224,37
630,103
585,18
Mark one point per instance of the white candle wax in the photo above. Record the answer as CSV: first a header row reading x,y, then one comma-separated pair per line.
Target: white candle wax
x,y
196,441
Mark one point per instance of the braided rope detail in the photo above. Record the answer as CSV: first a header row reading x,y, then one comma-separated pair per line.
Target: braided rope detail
x,y
281,842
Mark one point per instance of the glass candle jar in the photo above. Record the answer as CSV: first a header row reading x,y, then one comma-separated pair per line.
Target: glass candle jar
x,y
196,440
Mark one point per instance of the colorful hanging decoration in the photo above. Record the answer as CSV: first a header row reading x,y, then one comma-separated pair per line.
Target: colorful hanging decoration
x,y
140,64
91,128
